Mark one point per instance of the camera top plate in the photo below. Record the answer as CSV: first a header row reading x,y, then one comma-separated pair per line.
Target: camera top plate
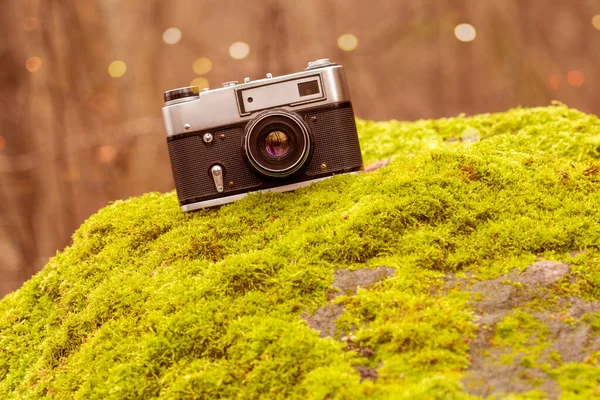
x,y
322,83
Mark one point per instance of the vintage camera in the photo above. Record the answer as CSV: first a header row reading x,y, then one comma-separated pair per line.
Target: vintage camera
x,y
272,134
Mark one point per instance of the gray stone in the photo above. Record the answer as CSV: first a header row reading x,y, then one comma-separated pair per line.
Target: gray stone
x,y
345,282
366,373
494,299
377,164
545,272
323,320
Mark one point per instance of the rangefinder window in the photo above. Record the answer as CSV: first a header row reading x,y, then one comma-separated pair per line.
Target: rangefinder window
x,y
308,88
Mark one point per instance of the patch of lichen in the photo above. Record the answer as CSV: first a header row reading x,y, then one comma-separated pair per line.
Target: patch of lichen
x,y
521,334
150,302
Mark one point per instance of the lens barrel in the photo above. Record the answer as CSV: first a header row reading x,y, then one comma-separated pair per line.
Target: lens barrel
x,y
277,143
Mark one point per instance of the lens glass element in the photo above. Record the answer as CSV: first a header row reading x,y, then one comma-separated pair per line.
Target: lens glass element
x,y
277,144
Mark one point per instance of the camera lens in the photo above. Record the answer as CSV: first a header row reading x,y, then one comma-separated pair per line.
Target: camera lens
x,y
277,143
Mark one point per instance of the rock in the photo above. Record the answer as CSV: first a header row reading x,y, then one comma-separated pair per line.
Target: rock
x,y
345,282
366,373
323,320
149,302
544,272
377,164
495,300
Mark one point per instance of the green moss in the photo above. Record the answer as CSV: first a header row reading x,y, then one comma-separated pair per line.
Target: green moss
x,y
529,395
529,362
150,302
515,284
554,356
522,334
593,319
579,380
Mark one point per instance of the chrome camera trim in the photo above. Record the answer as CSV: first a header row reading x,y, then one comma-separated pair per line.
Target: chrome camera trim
x,y
230,199
229,105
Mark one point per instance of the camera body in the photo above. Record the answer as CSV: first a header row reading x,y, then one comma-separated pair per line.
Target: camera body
x,y
272,134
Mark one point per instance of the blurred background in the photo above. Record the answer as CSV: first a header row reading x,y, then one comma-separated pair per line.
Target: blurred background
x,y
81,83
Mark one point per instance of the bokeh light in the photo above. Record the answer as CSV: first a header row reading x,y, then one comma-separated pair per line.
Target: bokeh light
x,y
117,69
575,78
2,143
465,32
596,21
201,82
30,24
172,36
202,66
239,50
106,154
33,64
347,42
554,81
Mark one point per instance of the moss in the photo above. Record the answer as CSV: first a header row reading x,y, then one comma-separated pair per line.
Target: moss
x,y
524,335
579,380
528,362
555,357
593,319
150,302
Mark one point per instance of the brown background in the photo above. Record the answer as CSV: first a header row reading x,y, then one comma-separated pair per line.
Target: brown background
x,y
72,138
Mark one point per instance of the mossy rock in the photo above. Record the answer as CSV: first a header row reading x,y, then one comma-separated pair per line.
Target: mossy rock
x,y
151,302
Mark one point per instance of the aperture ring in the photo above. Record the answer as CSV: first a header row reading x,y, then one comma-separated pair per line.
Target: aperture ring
x,y
279,117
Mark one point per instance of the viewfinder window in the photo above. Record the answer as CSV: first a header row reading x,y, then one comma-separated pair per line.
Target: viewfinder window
x,y
308,88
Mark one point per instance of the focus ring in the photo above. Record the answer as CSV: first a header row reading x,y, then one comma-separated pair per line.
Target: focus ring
x,y
274,120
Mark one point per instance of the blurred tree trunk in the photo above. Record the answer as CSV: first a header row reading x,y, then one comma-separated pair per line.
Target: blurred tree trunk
x,y
18,188
40,166
60,15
